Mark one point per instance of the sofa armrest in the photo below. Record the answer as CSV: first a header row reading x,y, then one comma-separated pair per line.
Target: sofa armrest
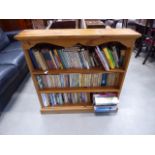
x,y
11,34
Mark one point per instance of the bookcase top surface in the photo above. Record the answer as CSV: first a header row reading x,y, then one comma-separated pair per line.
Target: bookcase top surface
x,y
55,33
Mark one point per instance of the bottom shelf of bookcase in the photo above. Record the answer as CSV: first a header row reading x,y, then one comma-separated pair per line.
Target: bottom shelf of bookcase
x,y
68,108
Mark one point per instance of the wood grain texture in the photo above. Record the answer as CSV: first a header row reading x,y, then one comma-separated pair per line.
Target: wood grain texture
x,y
67,109
78,90
44,34
82,71
68,38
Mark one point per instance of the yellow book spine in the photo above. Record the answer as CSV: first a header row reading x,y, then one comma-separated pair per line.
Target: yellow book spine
x,y
105,50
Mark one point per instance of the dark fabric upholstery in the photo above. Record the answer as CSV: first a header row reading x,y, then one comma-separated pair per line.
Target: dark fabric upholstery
x,y
4,41
13,46
6,95
13,68
7,74
13,54
15,58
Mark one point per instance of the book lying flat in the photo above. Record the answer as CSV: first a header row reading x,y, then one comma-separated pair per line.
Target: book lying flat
x,y
102,109
106,101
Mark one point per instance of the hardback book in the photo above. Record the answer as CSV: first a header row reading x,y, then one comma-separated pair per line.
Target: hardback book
x,y
115,56
109,57
99,99
40,60
46,100
59,99
102,58
35,63
103,109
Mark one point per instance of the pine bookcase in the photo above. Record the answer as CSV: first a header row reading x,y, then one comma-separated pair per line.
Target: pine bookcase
x,y
68,38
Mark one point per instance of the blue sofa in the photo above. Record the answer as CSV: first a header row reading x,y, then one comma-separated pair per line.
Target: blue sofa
x,y
13,66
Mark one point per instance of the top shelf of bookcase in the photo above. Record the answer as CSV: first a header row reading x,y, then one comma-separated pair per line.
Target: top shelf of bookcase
x,y
28,35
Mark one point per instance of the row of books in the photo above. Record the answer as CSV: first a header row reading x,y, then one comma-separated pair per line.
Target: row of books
x,y
77,80
110,57
64,98
76,57
107,102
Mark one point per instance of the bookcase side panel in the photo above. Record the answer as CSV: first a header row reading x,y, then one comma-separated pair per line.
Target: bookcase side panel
x,y
128,54
30,66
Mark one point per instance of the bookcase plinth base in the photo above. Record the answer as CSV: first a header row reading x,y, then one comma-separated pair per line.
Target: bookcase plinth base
x,y
67,109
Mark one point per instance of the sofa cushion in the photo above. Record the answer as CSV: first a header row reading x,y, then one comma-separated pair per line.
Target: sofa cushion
x,y
14,57
8,73
4,40
13,46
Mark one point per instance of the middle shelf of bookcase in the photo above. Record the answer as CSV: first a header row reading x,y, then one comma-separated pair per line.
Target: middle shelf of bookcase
x,y
84,71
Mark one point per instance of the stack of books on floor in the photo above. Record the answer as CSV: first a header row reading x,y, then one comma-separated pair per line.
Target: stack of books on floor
x,y
77,57
104,103
55,99
77,80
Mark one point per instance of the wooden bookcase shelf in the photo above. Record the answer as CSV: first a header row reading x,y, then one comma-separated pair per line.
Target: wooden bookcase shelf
x,y
84,71
79,90
69,108
68,38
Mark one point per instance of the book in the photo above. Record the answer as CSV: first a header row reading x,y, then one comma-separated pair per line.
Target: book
x,y
40,60
99,99
122,57
104,80
53,61
103,109
46,100
58,99
34,62
40,81
115,56
102,58
78,80
58,58
109,57
77,57
47,58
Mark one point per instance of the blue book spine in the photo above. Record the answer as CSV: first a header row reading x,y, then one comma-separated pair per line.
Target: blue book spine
x,y
61,58
46,55
34,62
81,60
105,109
54,99
51,99
104,80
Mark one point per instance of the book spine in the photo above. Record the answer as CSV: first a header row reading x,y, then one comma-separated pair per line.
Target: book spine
x,y
45,100
52,60
115,56
58,58
102,58
40,81
108,57
41,60
34,62
111,57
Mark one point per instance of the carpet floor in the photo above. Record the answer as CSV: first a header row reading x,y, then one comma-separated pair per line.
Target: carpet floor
x,y
136,113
